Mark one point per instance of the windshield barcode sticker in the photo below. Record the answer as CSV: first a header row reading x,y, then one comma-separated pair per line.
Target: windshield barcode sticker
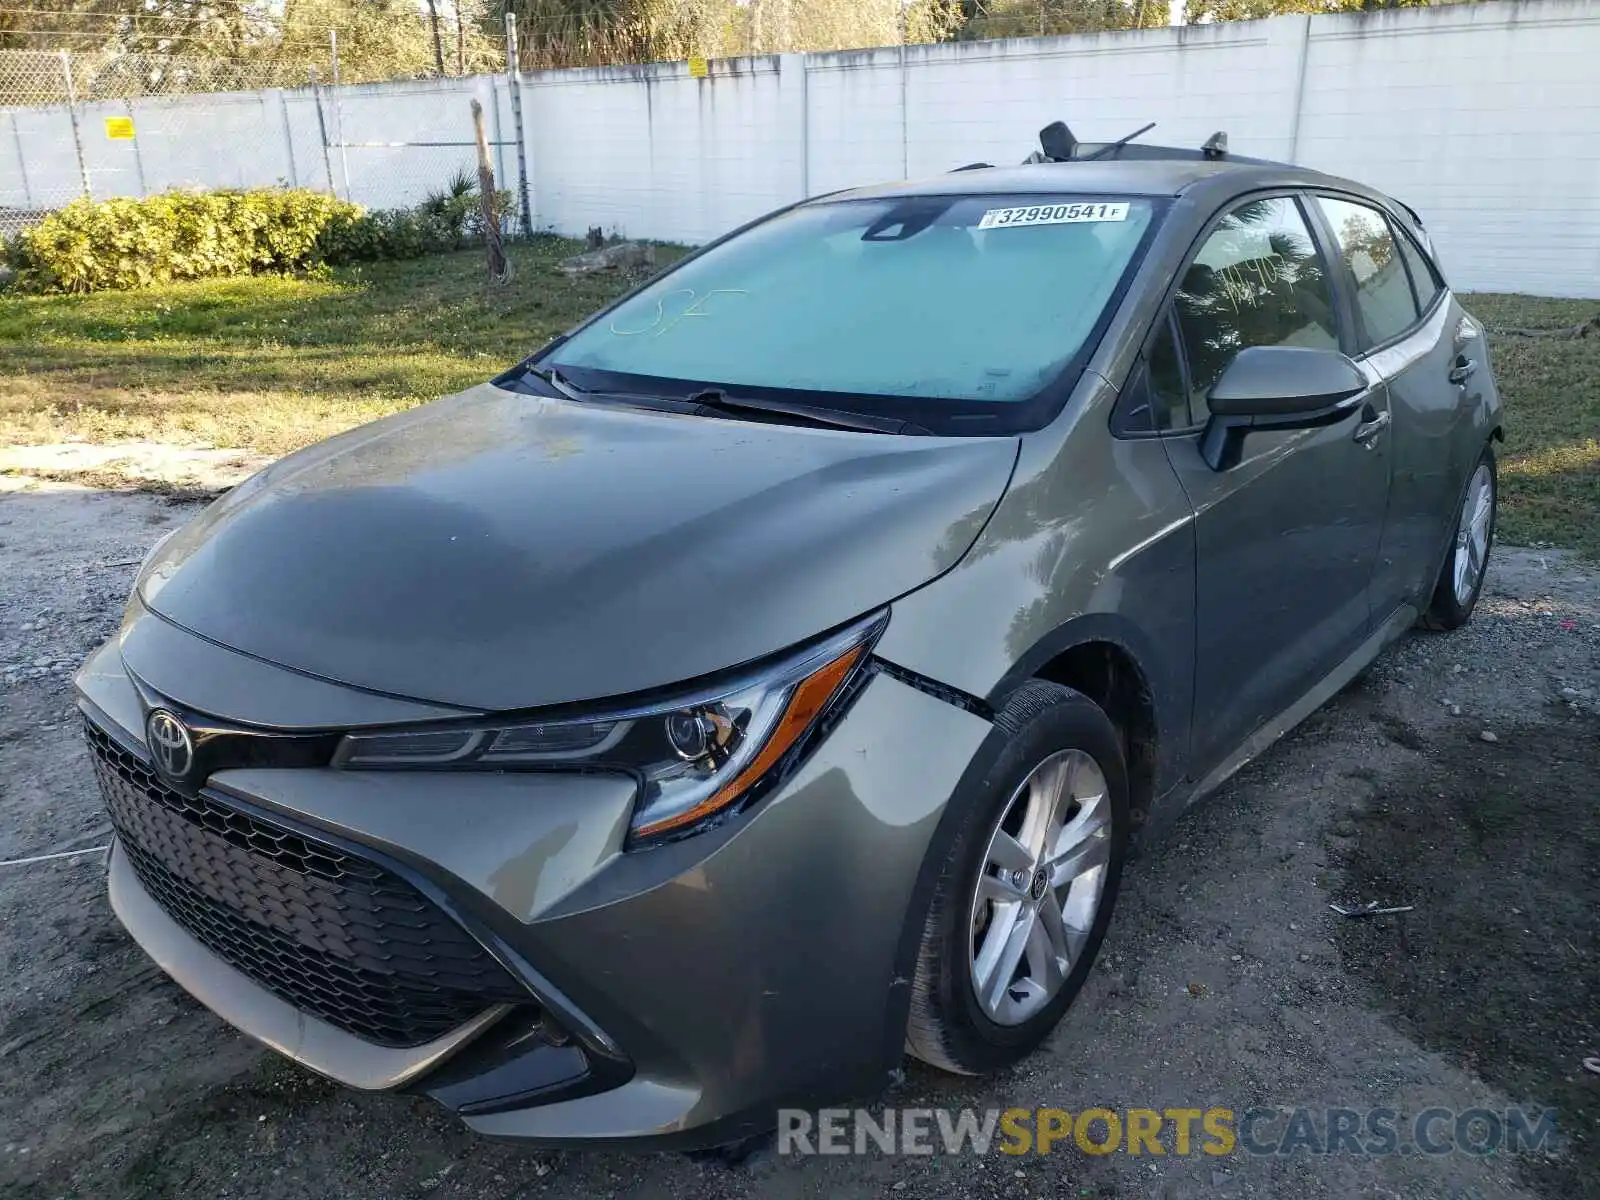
x,y
1052,214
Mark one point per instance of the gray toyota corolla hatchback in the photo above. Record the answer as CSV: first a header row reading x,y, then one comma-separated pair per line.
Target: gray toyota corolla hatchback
x,y
772,674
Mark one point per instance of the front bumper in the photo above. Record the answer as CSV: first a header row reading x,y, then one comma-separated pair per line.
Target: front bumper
x,y
678,995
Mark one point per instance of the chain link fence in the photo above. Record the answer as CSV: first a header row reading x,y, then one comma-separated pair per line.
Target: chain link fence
x,y
97,126
368,165
36,110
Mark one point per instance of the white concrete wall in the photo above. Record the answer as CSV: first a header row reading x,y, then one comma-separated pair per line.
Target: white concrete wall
x,y
654,153
1484,117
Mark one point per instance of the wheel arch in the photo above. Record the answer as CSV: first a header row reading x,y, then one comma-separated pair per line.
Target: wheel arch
x,y
1496,434
1072,651
1117,666
1108,674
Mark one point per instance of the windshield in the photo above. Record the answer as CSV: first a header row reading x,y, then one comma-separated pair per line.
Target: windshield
x,y
973,304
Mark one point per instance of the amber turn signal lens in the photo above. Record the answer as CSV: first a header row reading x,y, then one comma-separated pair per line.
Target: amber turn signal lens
x,y
810,699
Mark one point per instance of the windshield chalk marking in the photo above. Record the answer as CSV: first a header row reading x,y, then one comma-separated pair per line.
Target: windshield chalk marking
x,y
695,308
661,314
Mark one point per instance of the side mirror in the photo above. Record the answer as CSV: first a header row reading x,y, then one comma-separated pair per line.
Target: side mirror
x,y
1277,387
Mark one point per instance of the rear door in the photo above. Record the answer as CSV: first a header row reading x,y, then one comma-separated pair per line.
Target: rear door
x,y
1413,335
1285,539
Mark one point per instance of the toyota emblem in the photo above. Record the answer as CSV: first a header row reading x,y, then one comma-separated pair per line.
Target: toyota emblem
x,y
169,742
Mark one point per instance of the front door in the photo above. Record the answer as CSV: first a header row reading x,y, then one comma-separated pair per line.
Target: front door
x,y
1286,538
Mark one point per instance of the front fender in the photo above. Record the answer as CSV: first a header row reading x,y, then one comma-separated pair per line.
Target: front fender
x,y
1094,540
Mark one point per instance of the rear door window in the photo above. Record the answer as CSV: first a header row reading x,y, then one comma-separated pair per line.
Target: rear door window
x,y
1383,288
1258,280
1425,279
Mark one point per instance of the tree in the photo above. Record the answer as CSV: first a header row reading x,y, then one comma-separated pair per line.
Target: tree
x,y
438,45
386,39
221,27
135,47
585,32
1197,11
1042,18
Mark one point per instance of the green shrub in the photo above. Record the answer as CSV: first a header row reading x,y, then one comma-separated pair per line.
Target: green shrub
x,y
445,220
387,233
125,243
456,205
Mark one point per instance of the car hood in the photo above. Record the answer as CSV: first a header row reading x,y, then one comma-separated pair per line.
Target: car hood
x,y
500,551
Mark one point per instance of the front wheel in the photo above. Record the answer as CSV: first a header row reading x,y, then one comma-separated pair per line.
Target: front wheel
x,y
1025,893
1460,581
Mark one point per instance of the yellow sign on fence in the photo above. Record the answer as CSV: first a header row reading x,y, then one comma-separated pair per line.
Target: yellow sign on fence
x,y
698,68
119,129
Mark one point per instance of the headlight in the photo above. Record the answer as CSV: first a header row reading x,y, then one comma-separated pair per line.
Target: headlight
x,y
696,756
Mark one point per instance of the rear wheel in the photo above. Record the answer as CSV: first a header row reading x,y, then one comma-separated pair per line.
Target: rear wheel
x,y
1026,891
1460,581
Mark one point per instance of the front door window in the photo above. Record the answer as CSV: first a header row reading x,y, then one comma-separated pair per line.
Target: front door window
x,y
1258,280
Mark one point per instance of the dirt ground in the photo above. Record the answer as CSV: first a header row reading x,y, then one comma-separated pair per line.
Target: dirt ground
x,y
1226,979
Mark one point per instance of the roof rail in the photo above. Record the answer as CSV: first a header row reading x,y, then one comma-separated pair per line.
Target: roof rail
x,y
1057,144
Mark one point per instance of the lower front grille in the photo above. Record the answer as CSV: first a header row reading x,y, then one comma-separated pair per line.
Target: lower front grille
x,y
330,932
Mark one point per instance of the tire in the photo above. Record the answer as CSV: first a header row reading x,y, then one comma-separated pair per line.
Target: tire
x,y
1450,607
1046,728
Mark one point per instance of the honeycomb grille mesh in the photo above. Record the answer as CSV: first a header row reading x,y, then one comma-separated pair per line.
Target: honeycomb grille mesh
x,y
331,933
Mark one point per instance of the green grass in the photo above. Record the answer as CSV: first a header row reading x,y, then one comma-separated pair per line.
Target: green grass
x,y
272,364
1550,464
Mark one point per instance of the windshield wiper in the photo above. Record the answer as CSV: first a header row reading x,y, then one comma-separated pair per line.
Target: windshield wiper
x,y
559,382
715,400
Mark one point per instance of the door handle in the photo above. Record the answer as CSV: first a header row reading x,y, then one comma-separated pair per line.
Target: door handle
x,y
1463,369
1367,432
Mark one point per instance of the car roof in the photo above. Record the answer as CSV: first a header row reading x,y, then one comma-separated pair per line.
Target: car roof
x,y
1157,171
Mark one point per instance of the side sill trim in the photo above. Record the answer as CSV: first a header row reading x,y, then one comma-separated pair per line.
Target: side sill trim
x,y
1399,621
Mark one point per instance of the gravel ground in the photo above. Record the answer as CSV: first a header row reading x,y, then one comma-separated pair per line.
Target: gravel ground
x,y
1458,775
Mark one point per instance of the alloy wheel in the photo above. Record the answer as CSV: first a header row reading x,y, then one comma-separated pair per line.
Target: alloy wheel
x,y
1472,534
1040,886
